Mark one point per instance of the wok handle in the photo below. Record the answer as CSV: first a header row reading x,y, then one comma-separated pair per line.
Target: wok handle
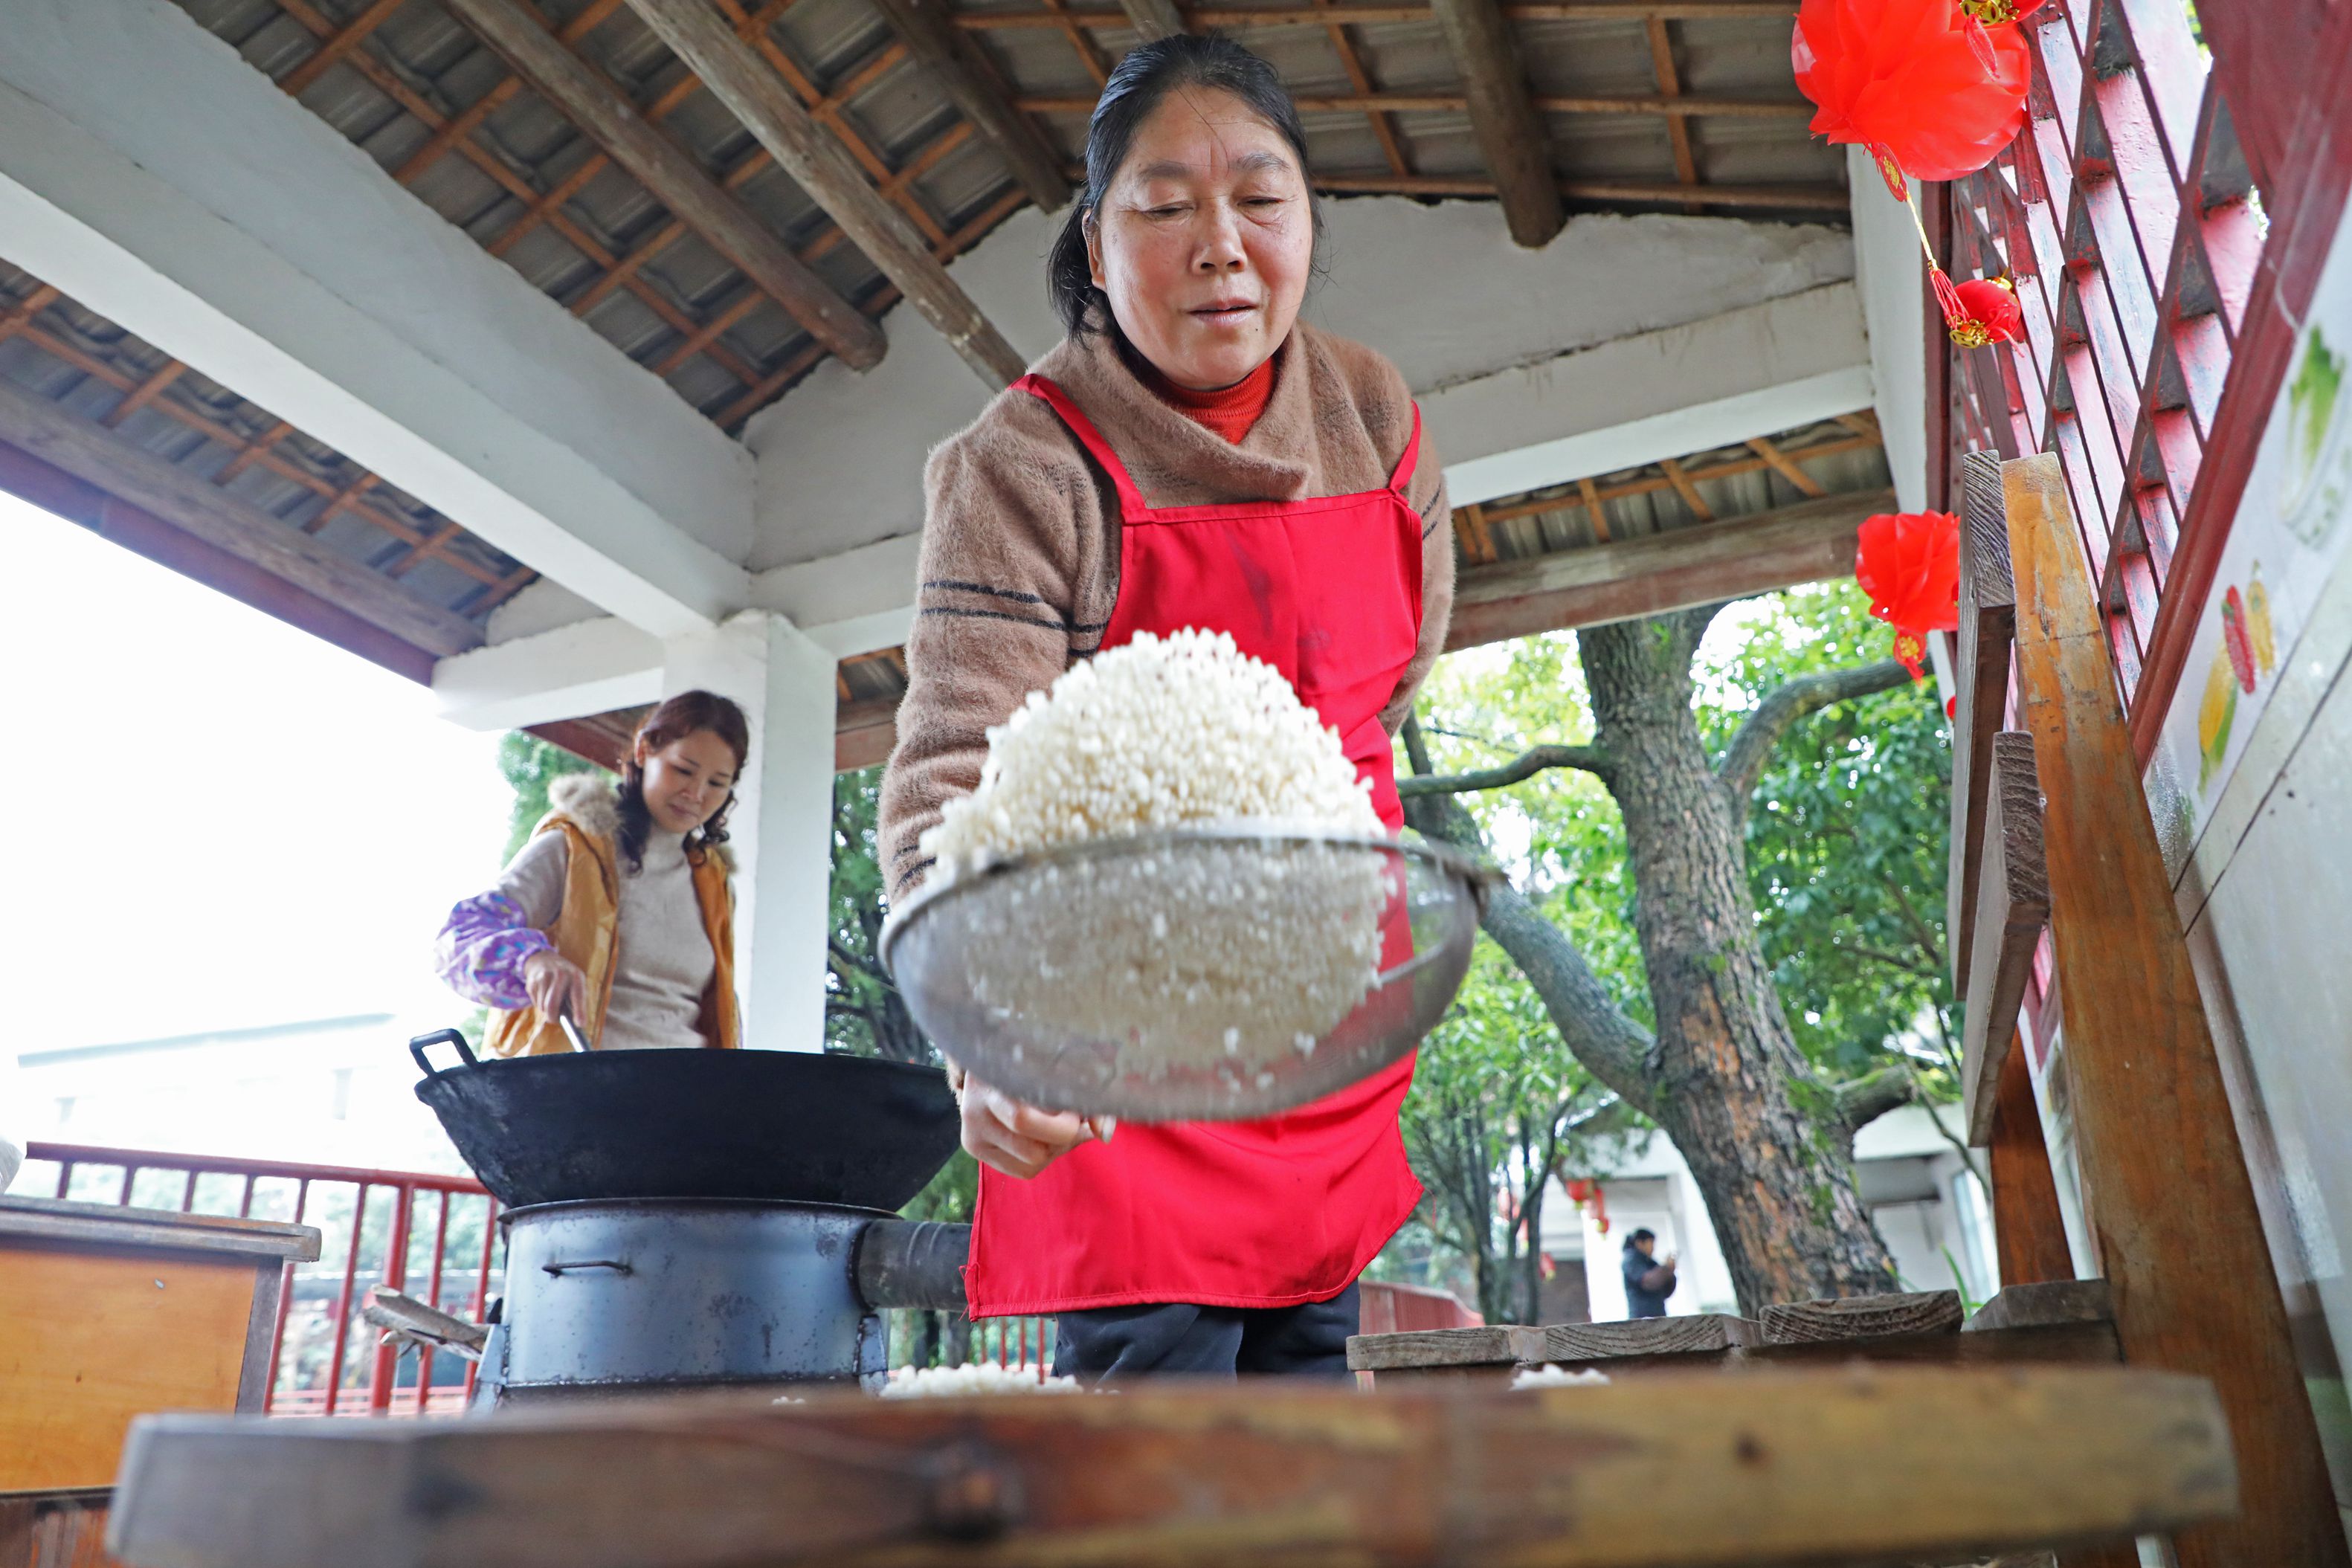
x,y
416,1048
912,1263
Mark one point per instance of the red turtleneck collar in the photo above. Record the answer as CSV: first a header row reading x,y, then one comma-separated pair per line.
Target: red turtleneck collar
x,y
1227,411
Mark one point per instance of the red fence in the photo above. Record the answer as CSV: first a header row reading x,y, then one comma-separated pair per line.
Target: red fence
x,y
433,1237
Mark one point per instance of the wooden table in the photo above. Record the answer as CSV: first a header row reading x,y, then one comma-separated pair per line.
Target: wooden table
x,y
1845,1465
108,1313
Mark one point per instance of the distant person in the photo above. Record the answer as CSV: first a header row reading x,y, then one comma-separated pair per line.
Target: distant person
x,y
617,912
1649,1278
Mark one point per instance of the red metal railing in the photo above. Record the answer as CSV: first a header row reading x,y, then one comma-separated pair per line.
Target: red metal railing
x,y
360,1249
369,1223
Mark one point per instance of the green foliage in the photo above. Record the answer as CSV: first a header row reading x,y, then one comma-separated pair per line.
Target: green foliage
x,y
530,765
1494,1113
864,1014
1846,841
1846,830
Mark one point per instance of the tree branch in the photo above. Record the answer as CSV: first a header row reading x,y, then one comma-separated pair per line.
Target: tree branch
x,y
1866,1099
1612,1047
1743,759
1527,764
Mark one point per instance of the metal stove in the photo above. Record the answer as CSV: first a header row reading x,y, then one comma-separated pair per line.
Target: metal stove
x,y
623,1296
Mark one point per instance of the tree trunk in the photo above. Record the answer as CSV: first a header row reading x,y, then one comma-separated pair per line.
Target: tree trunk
x,y
1724,1077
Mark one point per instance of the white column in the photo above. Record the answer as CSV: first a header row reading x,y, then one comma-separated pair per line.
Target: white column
x,y
781,832
1893,274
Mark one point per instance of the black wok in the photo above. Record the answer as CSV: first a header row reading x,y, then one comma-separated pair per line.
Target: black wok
x,y
790,1126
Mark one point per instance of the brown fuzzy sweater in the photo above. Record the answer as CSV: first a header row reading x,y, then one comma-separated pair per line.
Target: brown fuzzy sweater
x,y
1019,559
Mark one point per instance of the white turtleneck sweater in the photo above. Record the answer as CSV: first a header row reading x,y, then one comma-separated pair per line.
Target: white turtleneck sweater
x,y
663,966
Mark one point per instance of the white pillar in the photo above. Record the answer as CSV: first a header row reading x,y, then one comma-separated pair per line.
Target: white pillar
x,y
781,832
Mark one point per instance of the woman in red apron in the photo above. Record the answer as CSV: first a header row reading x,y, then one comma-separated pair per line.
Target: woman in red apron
x,y
1190,456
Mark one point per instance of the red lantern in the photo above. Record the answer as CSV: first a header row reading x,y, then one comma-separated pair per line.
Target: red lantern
x,y
1931,91
1984,310
1909,564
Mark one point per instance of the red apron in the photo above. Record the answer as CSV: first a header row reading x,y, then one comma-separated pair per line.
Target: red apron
x,y
1236,1214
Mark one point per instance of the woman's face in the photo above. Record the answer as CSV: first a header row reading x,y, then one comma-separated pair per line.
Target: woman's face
x,y
686,781
1205,240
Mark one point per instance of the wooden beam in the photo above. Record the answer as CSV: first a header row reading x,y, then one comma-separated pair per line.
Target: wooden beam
x,y
864,733
142,533
1455,103
953,61
1153,19
1808,542
1681,481
1773,1466
1805,483
1809,198
2012,904
732,69
2181,1238
1987,626
1103,19
582,95
2029,1229
1503,117
1670,84
89,452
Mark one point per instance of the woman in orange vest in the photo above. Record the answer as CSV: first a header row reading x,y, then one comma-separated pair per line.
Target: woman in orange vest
x,y
617,910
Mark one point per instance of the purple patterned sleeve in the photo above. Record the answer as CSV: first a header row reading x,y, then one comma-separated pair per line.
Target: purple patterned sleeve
x,y
481,950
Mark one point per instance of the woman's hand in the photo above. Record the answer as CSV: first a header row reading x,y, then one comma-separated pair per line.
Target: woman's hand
x,y
556,986
1017,1139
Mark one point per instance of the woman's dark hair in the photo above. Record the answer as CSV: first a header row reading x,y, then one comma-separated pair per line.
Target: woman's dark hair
x,y
675,719
1645,1234
1137,83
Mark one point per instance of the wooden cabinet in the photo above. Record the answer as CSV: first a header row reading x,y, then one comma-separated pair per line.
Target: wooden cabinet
x,y
108,1313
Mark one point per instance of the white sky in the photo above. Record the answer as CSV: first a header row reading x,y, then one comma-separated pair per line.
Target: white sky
x,y
215,820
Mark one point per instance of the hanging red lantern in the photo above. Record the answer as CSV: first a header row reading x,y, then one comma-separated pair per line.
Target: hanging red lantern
x,y
1983,311
1909,564
1931,91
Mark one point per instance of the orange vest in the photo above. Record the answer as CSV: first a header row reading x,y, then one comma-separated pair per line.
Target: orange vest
x,y
587,932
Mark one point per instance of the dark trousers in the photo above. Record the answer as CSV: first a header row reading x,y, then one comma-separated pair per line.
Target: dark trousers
x,y
1179,1340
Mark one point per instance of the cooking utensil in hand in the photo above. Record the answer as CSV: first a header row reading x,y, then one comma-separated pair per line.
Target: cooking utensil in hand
x,y
572,1031
1173,976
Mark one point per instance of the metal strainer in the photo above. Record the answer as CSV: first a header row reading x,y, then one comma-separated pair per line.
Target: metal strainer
x,y
1196,974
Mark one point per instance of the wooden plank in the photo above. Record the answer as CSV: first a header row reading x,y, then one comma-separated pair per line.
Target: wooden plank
x,y
107,1225
1770,1467
1987,625
96,1338
1490,1345
949,55
89,452
1153,19
2012,904
583,96
2053,1304
1511,139
1860,1317
816,160
2181,1238
1808,542
1697,1334
2029,1229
